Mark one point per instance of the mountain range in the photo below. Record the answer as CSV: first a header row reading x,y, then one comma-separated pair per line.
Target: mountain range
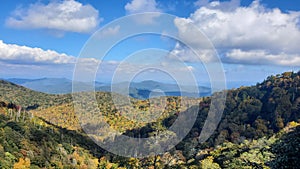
x,y
139,90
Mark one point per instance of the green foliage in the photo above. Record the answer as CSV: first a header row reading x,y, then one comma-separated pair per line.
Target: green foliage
x,y
208,163
287,149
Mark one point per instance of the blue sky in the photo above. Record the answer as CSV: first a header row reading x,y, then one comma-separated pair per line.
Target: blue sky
x,y
253,39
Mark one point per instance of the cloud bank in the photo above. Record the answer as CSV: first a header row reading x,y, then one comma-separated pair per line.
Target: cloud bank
x,y
247,35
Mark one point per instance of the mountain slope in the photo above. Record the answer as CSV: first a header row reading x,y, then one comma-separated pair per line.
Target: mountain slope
x,y
254,112
28,98
33,143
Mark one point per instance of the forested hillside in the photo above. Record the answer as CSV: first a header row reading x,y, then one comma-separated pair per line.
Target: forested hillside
x,y
30,99
258,129
32,142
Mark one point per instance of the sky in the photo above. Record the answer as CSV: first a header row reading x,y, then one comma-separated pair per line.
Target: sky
x,y
252,39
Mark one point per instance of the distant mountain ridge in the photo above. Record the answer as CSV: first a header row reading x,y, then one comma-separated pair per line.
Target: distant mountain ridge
x,y
140,90
46,85
20,80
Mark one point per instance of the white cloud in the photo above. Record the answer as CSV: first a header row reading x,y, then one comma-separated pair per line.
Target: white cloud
x,y
110,31
12,53
24,55
24,61
191,68
262,57
138,6
66,16
224,6
141,6
183,53
265,32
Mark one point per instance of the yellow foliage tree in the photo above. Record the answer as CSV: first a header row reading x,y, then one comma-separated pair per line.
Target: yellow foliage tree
x,y
22,164
208,163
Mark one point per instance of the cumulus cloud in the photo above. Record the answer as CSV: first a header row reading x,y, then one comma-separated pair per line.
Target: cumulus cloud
x,y
66,16
137,6
226,5
185,54
12,53
20,61
140,6
262,57
110,31
24,55
241,32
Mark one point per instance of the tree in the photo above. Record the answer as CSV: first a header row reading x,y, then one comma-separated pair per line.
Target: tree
x,y
208,163
22,164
